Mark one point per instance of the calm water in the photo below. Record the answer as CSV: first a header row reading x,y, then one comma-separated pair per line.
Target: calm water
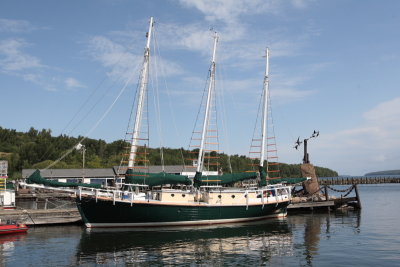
x,y
367,238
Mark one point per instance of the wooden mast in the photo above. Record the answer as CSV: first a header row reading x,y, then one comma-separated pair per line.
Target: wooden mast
x,y
264,110
210,93
141,98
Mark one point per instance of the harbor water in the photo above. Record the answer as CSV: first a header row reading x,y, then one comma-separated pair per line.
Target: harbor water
x,y
370,237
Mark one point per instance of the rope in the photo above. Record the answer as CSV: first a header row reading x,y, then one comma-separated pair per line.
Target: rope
x,y
94,127
163,74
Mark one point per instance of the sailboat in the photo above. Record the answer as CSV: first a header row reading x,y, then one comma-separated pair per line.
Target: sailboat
x,y
161,199
205,199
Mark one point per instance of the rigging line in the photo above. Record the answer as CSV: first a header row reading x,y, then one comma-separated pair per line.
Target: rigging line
x,y
82,106
272,121
256,123
123,55
157,105
76,114
130,120
178,133
215,100
224,119
94,127
203,99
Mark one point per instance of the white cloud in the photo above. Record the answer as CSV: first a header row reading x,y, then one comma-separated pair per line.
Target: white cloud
x,y
230,11
9,25
13,58
124,63
371,146
301,3
73,83
386,113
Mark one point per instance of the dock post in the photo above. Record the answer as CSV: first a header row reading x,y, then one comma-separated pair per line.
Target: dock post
x,y
326,193
357,196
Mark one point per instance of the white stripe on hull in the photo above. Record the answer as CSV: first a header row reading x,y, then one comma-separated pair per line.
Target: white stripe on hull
x,y
201,222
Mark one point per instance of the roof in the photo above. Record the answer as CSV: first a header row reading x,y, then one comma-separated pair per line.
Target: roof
x,y
98,173
157,169
72,173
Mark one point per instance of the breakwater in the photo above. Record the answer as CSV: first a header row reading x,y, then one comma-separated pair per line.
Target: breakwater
x,y
347,180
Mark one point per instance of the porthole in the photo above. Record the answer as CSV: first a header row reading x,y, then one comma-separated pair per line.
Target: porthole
x,y
183,195
233,196
219,196
172,195
245,196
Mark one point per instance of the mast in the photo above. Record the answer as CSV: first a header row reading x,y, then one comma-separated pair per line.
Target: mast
x,y
265,109
142,94
210,91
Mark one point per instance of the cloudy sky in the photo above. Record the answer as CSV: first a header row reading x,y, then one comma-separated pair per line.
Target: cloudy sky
x,y
335,67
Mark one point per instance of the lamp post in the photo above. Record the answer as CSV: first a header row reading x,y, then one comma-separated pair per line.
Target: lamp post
x,y
83,148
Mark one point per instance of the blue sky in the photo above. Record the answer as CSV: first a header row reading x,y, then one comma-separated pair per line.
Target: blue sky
x,y
335,67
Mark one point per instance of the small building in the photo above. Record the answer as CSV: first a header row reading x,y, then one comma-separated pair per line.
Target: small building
x,y
7,195
3,168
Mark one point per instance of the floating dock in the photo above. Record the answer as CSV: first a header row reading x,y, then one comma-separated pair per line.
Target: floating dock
x,y
41,216
321,200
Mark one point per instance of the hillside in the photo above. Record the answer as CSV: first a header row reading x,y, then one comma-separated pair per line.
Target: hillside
x,y
37,149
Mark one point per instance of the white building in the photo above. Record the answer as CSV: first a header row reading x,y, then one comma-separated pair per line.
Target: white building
x,y
7,196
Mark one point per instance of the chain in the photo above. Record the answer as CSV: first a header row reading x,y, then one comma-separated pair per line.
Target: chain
x,y
341,191
351,190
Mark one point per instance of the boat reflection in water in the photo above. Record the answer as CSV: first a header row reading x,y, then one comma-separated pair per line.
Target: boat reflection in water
x,y
7,245
246,243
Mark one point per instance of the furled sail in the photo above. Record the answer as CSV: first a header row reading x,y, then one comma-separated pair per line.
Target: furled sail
x,y
154,179
36,178
224,179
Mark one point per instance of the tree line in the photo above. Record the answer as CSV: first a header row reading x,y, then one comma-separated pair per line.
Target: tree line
x,y
38,149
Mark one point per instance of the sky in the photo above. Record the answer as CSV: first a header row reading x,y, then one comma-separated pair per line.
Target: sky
x,y
73,66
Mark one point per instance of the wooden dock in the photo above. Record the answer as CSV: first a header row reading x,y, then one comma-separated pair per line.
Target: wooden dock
x,y
41,216
324,205
321,200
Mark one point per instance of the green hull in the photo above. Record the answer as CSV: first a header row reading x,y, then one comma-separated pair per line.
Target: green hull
x,y
121,214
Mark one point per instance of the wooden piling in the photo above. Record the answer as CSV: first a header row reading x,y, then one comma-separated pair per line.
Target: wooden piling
x,y
326,193
357,196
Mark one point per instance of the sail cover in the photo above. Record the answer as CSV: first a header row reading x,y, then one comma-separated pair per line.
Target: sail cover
x,y
224,179
154,179
36,178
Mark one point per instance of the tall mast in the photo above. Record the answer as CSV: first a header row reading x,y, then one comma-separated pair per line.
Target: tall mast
x,y
142,94
210,93
265,109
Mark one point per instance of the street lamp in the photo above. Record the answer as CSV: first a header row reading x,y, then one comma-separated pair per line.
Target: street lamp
x,y
83,148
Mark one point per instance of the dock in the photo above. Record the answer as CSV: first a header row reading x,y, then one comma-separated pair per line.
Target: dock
x,y
41,216
349,180
321,200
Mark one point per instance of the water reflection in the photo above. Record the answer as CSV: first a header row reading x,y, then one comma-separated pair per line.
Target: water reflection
x,y
7,244
318,226
251,243
255,243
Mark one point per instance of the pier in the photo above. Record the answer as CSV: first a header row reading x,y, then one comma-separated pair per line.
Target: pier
x,y
349,180
321,199
41,216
